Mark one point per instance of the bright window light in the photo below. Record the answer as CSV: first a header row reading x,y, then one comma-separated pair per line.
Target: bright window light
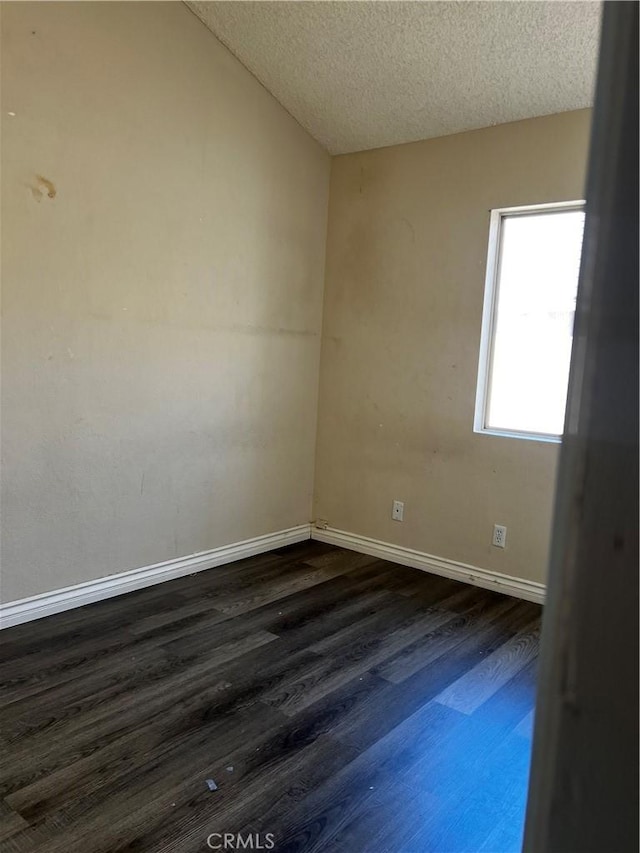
x,y
527,326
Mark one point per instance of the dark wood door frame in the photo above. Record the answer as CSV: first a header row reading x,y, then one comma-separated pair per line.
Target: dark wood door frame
x,y
584,780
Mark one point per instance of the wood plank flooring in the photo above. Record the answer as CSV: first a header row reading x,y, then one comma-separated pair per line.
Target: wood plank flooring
x,y
339,703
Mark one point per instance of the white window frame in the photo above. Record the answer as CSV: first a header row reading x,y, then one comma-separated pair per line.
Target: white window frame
x,y
489,315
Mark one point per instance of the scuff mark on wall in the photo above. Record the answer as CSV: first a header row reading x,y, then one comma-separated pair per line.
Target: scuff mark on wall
x,y
267,330
48,185
41,186
404,220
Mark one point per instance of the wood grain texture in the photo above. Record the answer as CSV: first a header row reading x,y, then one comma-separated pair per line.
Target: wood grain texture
x,y
340,702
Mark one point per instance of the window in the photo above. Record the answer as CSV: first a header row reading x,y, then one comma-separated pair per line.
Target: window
x,y
527,323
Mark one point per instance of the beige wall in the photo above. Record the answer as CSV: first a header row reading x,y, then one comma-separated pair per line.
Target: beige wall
x,y
161,313
407,244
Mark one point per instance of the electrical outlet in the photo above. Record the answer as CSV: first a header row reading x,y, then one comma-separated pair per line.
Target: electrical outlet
x,y
499,536
397,513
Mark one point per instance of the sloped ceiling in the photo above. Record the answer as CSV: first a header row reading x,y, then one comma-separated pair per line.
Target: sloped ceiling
x,y
363,75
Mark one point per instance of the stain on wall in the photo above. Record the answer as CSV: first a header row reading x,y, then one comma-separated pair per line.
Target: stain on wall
x,y
41,186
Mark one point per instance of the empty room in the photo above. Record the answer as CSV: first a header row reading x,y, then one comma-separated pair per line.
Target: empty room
x,y
319,442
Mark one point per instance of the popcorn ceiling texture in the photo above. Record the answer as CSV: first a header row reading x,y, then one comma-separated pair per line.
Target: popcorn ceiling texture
x,y
361,75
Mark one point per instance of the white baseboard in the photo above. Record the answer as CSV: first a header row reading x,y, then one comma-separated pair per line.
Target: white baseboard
x,y
529,590
47,603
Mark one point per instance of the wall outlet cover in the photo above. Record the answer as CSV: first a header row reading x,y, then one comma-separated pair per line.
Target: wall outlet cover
x,y
397,511
499,539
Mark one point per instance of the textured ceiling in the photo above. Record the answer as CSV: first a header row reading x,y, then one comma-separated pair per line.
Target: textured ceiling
x,y
363,75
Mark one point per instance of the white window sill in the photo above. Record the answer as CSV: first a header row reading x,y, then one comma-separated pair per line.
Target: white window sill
x,y
528,436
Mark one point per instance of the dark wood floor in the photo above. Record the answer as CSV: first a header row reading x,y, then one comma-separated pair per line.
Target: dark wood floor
x,y
339,702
